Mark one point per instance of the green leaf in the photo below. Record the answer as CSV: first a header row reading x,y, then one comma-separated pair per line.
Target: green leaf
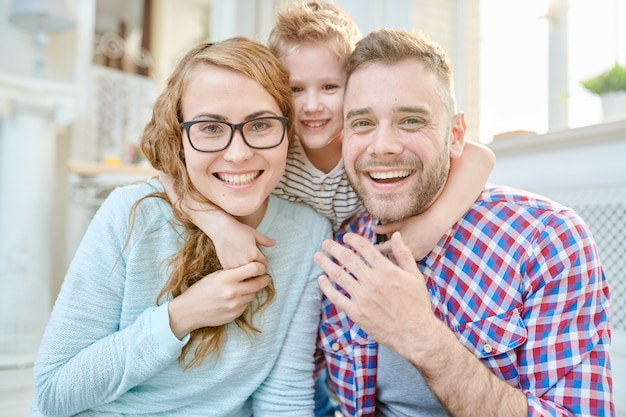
x,y
613,79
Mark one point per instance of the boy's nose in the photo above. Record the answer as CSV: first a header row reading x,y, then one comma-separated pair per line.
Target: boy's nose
x,y
312,103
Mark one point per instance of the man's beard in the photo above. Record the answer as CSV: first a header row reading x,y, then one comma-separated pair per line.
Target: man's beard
x,y
390,207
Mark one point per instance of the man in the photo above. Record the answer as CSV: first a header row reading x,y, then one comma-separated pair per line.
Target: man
x,y
507,316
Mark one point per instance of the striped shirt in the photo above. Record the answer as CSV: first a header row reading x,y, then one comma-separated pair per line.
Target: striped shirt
x,y
329,194
519,281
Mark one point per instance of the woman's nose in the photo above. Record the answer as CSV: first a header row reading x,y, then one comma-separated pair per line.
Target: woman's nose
x,y
238,150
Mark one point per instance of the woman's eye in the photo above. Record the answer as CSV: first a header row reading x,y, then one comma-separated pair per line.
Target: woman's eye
x,y
295,90
259,126
211,128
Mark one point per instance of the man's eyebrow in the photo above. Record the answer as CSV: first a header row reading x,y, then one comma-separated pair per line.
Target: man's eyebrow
x,y
402,109
411,109
358,112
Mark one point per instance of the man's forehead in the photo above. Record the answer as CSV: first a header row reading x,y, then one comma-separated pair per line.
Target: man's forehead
x,y
403,86
408,65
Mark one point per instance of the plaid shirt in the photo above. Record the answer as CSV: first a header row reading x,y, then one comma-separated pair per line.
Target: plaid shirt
x,y
518,280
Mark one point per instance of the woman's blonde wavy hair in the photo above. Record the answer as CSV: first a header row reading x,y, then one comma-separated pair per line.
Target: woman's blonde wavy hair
x,y
162,145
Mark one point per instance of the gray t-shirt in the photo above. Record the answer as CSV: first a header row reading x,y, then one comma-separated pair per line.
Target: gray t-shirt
x,y
401,390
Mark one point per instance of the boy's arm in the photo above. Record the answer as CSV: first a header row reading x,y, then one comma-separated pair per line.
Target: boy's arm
x,y
468,175
235,242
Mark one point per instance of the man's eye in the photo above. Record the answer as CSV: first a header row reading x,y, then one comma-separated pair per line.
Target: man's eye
x,y
412,123
361,125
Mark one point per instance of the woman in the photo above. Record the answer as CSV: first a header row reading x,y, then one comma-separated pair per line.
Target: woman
x,y
147,321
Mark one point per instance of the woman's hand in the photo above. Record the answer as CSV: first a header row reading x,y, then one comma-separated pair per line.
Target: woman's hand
x,y
217,299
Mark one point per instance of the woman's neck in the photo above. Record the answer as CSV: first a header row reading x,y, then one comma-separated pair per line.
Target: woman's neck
x,y
254,219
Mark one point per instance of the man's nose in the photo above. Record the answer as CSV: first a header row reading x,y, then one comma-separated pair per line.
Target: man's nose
x,y
385,140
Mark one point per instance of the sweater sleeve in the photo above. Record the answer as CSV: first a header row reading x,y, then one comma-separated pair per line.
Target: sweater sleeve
x,y
86,358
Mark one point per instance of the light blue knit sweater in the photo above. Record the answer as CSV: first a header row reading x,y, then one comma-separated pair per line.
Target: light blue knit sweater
x,y
108,349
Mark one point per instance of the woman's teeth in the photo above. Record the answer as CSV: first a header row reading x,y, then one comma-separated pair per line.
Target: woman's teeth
x,y
238,179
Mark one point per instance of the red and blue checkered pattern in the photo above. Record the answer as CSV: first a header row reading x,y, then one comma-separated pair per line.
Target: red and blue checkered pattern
x,y
519,281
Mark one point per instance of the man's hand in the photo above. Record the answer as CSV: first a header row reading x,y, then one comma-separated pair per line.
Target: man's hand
x,y
390,302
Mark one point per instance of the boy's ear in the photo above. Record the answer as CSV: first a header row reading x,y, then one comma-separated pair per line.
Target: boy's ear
x,y
457,135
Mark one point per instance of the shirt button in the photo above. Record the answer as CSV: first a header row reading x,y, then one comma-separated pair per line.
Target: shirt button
x,y
335,346
487,348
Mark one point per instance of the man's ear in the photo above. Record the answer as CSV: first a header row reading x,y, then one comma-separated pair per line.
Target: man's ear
x,y
457,135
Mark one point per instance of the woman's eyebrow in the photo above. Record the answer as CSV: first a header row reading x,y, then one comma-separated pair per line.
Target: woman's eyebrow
x,y
219,117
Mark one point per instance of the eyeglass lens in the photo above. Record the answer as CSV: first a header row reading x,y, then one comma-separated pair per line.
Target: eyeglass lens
x,y
211,135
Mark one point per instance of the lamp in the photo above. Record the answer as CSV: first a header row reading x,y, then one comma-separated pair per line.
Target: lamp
x,y
40,17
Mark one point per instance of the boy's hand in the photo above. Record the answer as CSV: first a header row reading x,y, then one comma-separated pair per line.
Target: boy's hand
x,y
235,242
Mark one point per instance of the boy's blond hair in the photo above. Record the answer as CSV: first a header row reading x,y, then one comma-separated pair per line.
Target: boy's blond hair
x,y
312,22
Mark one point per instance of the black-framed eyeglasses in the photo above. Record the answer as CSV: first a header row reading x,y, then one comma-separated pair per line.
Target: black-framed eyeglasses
x,y
215,135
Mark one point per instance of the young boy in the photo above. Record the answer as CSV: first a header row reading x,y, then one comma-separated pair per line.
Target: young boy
x,y
314,40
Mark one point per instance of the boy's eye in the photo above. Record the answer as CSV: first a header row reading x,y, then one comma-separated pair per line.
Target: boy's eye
x,y
328,87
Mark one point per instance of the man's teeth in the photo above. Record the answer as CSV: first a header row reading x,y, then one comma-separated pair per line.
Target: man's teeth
x,y
239,179
386,175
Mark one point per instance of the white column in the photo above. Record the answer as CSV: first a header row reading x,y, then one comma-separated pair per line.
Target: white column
x,y
32,111
558,74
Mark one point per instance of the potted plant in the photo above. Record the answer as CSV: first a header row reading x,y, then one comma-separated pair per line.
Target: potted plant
x,y
611,87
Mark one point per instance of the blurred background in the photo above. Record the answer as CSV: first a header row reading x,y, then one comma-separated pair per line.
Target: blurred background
x,y
78,79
